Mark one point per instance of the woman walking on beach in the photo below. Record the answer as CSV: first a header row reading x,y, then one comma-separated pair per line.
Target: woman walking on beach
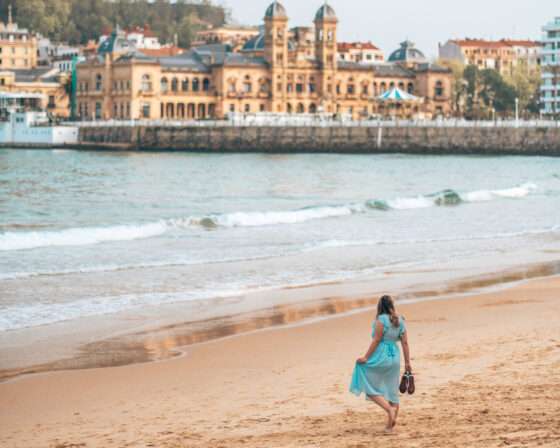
x,y
377,373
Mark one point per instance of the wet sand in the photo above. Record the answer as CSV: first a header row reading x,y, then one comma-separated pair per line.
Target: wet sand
x,y
486,368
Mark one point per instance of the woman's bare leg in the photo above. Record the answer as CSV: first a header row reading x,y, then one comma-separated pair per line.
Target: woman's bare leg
x,y
382,402
396,407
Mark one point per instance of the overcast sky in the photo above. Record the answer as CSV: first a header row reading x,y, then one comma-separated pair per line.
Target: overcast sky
x,y
425,22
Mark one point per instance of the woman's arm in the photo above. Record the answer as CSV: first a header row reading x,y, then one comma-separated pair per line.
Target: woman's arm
x,y
406,352
377,336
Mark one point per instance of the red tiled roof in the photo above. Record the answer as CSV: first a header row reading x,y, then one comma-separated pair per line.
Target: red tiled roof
x,y
347,46
520,43
144,32
479,43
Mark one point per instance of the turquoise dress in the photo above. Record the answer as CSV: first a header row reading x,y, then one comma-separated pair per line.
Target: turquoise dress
x,y
380,374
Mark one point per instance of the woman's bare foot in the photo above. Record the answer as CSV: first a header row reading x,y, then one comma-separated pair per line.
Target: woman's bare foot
x,y
389,428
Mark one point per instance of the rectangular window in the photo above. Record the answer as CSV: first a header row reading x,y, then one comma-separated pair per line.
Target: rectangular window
x,y
232,87
116,85
128,109
247,108
288,88
146,110
261,108
364,89
128,85
246,86
116,110
86,110
80,108
51,101
262,87
299,88
87,86
25,50
350,89
232,107
311,88
279,87
13,50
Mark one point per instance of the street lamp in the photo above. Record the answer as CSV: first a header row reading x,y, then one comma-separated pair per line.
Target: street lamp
x,y
516,112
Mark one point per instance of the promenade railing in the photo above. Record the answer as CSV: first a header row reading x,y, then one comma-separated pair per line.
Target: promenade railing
x,y
314,122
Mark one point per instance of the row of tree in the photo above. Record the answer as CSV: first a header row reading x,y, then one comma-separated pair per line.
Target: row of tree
x,y
77,21
482,93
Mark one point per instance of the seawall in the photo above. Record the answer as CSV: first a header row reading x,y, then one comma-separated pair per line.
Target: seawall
x,y
352,139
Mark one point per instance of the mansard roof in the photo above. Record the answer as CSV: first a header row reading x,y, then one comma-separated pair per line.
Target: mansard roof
x,y
275,10
325,12
257,43
391,69
407,53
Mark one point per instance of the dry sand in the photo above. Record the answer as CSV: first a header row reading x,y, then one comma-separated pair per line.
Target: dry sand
x,y
487,373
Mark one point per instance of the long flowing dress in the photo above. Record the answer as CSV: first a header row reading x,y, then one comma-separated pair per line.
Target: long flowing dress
x,y
380,374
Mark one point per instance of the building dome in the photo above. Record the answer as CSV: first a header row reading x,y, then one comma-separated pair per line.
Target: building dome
x,y
117,43
257,43
407,53
325,12
275,10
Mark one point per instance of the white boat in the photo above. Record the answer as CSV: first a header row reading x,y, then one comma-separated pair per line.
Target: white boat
x,y
24,123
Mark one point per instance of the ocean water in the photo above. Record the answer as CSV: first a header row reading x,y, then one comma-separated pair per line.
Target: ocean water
x,y
89,234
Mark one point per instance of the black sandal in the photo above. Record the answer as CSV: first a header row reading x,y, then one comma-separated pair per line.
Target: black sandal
x,y
411,386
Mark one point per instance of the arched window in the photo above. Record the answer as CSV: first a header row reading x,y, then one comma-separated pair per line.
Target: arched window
x,y
410,88
401,85
98,83
163,85
375,88
330,34
383,88
300,108
439,88
174,85
195,85
312,108
184,84
391,85
97,110
146,84
289,108
205,84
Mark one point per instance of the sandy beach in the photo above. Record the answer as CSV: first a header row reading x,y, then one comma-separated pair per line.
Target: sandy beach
x,y
486,368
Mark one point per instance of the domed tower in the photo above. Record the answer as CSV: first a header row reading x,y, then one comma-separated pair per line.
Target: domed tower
x,y
276,35
325,36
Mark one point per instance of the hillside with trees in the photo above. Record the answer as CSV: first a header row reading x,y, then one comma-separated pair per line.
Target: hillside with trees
x,y
77,21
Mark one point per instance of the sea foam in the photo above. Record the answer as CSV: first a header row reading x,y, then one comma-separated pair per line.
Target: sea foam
x,y
11,241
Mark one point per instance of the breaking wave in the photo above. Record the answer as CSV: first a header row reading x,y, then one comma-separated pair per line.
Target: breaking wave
x,y
10,241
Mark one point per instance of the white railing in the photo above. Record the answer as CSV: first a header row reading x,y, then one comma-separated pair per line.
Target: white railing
x,y
316,122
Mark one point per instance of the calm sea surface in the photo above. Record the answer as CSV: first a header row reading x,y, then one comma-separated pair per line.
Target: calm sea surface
x,y
87,234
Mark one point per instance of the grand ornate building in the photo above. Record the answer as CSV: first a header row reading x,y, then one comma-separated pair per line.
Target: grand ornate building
x,y
271,73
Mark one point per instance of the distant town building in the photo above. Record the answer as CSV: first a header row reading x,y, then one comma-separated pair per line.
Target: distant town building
x,y
18,48
364,52
143,38
236,36
59,56
499,55
47,81
550,57
271,73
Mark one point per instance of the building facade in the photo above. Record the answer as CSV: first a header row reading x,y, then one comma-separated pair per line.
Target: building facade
x,y
271,73
364,52
550,63
48,82
498,55
18,48
236,36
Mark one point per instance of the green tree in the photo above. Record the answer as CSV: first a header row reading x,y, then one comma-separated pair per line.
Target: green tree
x,y
526,81
472,79
458,83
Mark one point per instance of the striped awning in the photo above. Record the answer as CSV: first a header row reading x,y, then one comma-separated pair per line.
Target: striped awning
x,y
397,95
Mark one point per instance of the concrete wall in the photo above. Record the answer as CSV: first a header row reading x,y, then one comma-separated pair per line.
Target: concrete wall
x,y
421,140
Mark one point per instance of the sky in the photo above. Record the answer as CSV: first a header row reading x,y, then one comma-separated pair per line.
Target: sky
x,y
424,22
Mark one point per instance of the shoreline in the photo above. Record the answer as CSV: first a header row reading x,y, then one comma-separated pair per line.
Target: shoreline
x,y
287,386
163,342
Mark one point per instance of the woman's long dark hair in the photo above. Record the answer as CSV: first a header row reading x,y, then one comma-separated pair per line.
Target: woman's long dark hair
x,y
386,306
